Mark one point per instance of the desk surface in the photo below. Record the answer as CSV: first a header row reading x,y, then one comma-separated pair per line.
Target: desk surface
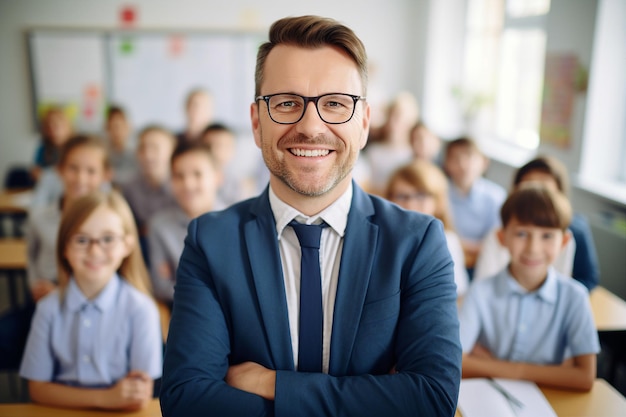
x,y
13,254
14,202
602,400
32,410
609,311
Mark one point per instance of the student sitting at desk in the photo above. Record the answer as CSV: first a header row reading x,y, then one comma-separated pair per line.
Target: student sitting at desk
x,y
194,184
529,321
96,341
578,259
83,167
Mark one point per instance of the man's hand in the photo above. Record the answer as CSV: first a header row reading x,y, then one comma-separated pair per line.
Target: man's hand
x,y
253,378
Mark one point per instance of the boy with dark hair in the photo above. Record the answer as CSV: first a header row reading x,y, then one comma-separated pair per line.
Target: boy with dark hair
x,y
529,321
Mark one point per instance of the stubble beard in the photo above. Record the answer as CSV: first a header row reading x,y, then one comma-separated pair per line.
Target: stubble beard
x,y
280,170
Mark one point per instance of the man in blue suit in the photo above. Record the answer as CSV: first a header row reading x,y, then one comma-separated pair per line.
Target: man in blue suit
x,y
389,339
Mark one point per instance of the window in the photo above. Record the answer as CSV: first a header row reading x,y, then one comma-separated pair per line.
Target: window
x,y
501,92
603,166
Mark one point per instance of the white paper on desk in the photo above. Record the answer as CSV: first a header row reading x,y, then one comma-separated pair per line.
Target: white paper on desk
x,y
477,398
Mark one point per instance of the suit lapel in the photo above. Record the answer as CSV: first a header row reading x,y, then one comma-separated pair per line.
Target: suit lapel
x,y
354,275
262,245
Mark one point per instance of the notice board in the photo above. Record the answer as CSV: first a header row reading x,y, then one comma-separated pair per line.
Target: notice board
x,y
147,72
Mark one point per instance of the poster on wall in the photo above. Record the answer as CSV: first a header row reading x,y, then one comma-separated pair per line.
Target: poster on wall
x,y
561,83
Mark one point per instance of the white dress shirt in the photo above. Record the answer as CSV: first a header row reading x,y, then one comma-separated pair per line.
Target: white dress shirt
x,y
331,246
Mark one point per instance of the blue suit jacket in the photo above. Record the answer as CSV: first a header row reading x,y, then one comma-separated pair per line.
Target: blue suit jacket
x,y
395,306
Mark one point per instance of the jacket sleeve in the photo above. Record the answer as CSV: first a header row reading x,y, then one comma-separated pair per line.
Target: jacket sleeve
x,y
198,346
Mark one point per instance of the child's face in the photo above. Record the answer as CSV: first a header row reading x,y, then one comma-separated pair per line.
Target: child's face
x,y
83,171
94,263
199,110
464,166
410,198
154,152
194,182
533,249
118,130
425,144
222,146
59,129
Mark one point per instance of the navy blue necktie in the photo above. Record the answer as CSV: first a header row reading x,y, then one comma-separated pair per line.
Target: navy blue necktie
x,y
311,324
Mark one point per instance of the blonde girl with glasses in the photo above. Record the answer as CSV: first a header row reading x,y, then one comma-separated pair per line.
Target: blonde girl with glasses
x,y
95,342
423,187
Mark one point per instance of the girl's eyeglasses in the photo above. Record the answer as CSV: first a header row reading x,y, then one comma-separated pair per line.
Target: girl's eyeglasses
x,y
83,242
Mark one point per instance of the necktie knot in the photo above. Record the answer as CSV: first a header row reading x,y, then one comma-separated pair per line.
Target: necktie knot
x,y
309,235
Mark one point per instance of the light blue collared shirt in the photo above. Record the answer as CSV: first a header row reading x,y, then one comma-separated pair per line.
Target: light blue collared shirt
x,y
93,343
545,326
478,212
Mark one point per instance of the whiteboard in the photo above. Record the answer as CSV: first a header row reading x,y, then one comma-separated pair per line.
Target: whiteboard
x,y
68,69
148,73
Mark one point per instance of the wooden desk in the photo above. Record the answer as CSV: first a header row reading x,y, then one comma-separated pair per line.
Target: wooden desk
x,y
32,410
603,400
164,316
609,311
12,202
13,210
12,254
13,262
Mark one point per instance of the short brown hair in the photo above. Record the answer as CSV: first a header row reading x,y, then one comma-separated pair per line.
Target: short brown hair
x,y
312,32
80,141
547,165
185,148
534,204
159,129
462,142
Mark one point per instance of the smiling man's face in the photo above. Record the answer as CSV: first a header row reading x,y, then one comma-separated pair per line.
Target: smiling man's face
x,y
310,158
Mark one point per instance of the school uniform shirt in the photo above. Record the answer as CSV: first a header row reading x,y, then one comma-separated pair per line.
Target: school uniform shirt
x,y
42,228
167,230
93,343
145,200
382,160
476,213
546,326
124,165
48,190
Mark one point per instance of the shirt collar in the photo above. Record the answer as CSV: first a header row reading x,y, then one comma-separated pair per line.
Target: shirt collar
x,y
547,292
335,215
75,300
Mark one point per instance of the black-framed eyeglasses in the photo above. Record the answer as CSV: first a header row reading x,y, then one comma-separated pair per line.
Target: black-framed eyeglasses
x,y
289,108
83,242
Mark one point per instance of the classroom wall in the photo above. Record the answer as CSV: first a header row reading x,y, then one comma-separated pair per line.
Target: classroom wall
x,y
393,32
